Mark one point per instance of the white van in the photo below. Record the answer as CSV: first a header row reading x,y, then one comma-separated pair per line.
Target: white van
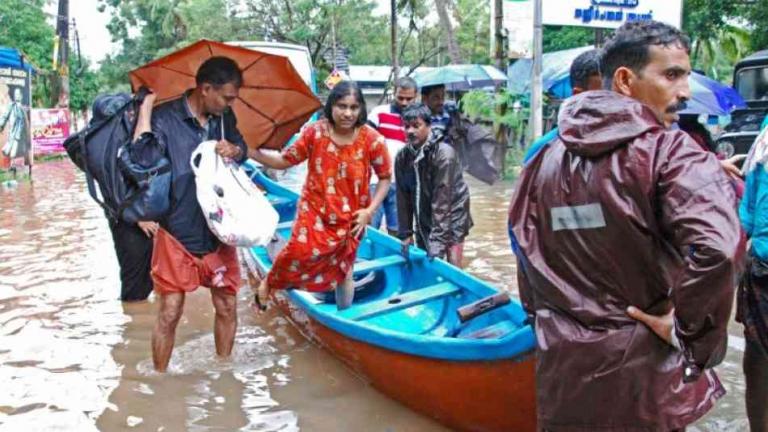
x,y
297,54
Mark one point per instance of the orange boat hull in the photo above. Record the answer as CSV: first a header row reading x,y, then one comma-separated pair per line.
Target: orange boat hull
x,y
486,396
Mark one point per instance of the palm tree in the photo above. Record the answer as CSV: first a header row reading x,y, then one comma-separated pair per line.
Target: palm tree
x,y
717,54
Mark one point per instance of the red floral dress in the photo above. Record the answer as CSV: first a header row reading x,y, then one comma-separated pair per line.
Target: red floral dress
x,y
322,249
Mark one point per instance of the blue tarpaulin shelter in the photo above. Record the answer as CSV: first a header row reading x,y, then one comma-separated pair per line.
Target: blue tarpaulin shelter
x,y
11,57
707,95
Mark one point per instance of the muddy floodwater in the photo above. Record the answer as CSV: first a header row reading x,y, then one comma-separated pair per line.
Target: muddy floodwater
x,y
74,358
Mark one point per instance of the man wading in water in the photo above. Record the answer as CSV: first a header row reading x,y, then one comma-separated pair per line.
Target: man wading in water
x,y
627,241
186,253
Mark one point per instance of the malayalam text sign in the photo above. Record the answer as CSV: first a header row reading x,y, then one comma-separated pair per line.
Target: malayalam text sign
x,y
610,13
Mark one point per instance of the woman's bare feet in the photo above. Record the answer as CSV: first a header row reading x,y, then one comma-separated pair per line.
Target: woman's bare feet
x,y
345,293
262,295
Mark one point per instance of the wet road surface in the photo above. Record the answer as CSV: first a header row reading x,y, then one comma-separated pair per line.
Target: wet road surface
x,y
74,358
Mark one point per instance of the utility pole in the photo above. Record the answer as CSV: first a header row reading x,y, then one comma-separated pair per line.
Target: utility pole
x,y
599,38
498,34
61,58
536,84
393,36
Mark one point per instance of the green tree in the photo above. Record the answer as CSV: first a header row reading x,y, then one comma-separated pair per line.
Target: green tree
x,y
474,29
84,84
755,13
558,38
23,25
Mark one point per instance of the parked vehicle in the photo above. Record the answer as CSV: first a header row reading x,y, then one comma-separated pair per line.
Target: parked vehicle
x,y
297,54
750,79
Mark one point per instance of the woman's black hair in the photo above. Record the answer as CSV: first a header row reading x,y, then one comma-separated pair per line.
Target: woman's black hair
x,y
341,90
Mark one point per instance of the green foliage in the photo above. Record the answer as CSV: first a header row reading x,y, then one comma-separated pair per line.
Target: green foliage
x,y
502,108
474,30
716,55
755,13
508,114
23,25
704,19
558,38
84,85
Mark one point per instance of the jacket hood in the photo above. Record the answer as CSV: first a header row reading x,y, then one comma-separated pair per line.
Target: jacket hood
x,y
597,122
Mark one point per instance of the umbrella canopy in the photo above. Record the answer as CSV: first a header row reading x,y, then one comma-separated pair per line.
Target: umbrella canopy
x,y
707,95
274,102
461,77
711,97
555,72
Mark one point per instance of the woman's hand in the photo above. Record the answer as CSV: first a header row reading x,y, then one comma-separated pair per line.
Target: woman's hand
x,y
150,228
362,219
226,149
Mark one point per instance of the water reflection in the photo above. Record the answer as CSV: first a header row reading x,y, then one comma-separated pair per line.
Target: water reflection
x,y
72,357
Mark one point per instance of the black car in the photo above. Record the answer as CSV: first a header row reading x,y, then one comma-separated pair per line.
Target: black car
x,y
750,78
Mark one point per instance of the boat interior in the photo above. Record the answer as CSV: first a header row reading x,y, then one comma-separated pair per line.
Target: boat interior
x,y
404,294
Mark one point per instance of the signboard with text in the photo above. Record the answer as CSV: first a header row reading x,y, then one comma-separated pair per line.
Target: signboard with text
x,y
15,95
610,13
50,127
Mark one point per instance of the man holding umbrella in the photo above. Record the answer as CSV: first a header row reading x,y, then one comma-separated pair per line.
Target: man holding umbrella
x,y
206,86
186,253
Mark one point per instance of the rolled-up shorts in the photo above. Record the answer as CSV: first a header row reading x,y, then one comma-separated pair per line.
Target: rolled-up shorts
x,y
176,270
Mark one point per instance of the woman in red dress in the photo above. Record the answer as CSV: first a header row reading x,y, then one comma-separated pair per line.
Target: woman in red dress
x,y
335,205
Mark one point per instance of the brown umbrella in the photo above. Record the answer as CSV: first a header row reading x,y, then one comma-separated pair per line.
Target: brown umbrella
x,y
274,101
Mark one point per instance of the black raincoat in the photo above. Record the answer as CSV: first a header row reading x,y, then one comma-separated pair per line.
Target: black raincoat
x,y
431,189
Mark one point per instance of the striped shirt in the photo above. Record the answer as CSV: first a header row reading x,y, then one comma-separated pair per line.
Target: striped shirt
x,y
389,123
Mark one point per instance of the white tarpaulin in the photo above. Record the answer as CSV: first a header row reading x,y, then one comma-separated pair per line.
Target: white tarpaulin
x,y
518,21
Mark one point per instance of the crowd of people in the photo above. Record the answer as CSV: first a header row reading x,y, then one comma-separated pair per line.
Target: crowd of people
x,y
627,231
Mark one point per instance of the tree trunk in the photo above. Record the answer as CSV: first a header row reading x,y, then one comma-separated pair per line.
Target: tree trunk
x,y
445,23
393,30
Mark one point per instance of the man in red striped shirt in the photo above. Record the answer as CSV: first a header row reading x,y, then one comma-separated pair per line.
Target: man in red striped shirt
x,y
387,120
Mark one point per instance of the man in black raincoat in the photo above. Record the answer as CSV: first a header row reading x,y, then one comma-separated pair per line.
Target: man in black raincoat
x,y
431,189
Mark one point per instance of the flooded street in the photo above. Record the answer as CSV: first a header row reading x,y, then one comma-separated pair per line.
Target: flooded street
x,y
74,358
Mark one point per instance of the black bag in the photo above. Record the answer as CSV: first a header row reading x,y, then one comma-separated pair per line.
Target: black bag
x,y
127,191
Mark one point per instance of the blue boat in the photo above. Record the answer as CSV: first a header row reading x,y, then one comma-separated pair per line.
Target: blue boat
x,y
403,333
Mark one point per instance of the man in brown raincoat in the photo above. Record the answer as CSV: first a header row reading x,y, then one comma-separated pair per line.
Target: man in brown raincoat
x,y
628,246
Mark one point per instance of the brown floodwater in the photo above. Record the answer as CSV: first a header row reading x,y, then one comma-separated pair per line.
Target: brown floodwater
x,y
74,358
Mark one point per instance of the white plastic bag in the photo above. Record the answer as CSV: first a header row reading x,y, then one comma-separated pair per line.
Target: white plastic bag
x,y
235,209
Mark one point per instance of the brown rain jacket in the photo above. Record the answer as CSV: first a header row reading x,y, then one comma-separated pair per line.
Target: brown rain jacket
x,y
619,211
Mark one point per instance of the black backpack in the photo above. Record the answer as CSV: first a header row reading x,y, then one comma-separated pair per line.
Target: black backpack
x,y
127,191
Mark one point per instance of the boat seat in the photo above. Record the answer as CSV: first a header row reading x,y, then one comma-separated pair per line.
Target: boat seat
x,y
368,266
278,200
284,225
494,331
400,302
